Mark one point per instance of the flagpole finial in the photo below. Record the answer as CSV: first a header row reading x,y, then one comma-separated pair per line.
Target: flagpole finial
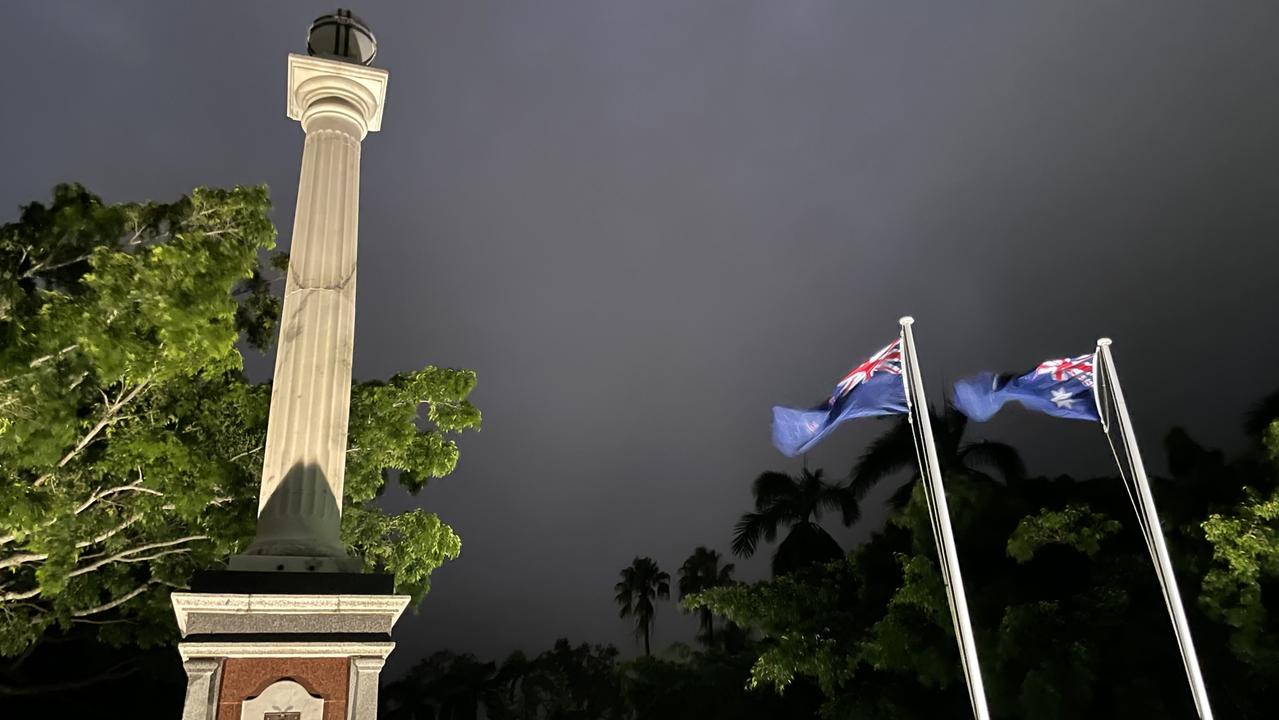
x,y
1103,342
907,320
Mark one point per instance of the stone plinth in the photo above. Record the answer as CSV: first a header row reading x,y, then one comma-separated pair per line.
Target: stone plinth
x,y
304,651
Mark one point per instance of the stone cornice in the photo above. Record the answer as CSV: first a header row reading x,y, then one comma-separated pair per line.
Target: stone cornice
x,y
316,83
190,651
344,611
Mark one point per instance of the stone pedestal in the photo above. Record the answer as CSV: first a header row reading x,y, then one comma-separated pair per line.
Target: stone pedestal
x,y
260,646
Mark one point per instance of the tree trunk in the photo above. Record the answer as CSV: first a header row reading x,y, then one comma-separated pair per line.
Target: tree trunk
x,y
647,653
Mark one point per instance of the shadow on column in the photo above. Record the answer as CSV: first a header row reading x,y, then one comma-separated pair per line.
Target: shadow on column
x,y
299,528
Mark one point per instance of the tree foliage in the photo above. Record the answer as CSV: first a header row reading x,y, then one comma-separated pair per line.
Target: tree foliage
x,y
1073,526
1245,563
588,682
1069,618
703,571
130,439
566,682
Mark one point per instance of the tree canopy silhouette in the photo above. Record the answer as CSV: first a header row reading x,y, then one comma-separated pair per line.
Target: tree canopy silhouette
x,y
783,501
702,571
894,452
641,583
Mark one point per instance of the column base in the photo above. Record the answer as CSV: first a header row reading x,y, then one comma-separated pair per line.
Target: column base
x,y
294,564
286,645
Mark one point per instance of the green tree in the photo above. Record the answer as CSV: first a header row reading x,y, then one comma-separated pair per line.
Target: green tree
x,y
702,571
690,685
130,440
873,618
797,503
1245,561
641,583
1068,615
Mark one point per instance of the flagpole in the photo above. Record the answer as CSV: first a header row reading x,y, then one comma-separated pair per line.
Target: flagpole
x,y
1155,536
936,495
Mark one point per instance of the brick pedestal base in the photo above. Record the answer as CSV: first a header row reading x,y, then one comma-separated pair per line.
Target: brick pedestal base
x,y
285,656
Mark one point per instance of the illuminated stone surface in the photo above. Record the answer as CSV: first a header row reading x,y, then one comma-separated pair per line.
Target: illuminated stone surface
x,y
287,634
299,504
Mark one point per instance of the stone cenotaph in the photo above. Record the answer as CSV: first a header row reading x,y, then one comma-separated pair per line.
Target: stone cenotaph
x,y
292,630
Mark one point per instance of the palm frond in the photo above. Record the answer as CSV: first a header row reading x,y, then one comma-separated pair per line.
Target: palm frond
x,y
699,572
846,500
901,496
772,488
725,575
886,456
1001,457
948,431
625,597
746,534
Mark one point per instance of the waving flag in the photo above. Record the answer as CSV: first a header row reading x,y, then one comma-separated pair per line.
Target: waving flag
x,y
1063,388
872,388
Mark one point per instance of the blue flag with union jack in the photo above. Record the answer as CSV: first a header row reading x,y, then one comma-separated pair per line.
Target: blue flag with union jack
x,y
872,388
1062,388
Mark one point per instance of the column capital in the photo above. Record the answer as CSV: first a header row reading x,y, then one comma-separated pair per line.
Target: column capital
x,y
320,88
368,663
202,666
202,688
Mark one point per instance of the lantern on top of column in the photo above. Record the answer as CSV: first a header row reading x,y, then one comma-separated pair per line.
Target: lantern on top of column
x,y
340,35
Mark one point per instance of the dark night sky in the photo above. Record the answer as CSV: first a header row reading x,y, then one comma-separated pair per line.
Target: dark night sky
x,y
644,223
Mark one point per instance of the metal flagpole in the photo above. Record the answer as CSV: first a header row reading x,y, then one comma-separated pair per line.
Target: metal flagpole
x,y
936,495
1155,535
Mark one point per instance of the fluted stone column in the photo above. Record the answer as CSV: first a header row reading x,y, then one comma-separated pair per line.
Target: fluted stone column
x,y
300,503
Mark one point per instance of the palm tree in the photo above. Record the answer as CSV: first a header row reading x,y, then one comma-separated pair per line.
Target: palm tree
x,y
796,502
702,571
641,583
894,451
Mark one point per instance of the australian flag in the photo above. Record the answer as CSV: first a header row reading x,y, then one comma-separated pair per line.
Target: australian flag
x,y
1063,388
870,389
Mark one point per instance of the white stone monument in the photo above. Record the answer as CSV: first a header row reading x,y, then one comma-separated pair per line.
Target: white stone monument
x,y
293,629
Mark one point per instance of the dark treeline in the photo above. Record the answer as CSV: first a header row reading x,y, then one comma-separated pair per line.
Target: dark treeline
x,y
1069,616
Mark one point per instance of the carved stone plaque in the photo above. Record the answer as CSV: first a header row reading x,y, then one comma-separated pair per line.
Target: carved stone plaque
x,y
283,700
